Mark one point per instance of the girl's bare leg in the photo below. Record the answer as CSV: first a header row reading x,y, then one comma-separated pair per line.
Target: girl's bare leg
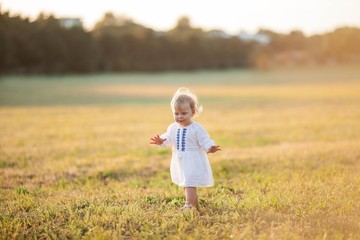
x,y
191,196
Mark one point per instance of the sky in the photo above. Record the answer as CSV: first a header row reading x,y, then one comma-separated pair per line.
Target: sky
x,y
232,16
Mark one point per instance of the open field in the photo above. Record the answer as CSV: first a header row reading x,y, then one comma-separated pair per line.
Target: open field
x,y
75,160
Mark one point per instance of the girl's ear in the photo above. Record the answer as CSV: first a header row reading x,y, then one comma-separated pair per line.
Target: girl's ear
x,y
193,111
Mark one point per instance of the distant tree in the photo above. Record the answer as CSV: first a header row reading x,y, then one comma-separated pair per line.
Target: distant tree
x,y
344,43
296,40
83,53
117,43
122,43
183,23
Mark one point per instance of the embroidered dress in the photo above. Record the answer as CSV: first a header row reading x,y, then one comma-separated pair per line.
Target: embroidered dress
x,y
189,166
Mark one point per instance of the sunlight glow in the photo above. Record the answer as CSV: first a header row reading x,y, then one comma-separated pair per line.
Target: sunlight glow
x,y
229,15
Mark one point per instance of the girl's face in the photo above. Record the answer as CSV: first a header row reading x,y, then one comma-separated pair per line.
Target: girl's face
x,y
183,114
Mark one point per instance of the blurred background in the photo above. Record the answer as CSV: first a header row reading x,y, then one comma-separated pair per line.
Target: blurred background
x,y
53,37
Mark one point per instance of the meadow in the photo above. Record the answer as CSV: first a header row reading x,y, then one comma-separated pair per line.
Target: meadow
x,y
76,163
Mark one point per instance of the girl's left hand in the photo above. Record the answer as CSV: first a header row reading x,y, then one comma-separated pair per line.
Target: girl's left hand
x,y
214,149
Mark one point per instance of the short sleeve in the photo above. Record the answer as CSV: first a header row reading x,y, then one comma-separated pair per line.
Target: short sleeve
x,y
203,139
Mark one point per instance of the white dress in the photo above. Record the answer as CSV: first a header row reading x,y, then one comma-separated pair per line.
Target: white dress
x,y
189,166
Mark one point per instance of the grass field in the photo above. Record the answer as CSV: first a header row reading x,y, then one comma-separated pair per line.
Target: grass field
x,y
75,159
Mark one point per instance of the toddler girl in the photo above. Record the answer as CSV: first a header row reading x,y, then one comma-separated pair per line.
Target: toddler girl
x,y
190,167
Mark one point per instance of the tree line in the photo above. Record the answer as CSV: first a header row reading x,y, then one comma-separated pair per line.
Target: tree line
x,y
119,44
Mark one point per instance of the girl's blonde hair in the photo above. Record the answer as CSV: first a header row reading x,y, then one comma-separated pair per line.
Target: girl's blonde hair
x,y
183,95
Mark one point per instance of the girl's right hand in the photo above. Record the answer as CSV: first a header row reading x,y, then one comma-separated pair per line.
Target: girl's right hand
x,y
157,140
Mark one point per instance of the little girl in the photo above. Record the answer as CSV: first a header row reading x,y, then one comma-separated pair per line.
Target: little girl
x,y
190,167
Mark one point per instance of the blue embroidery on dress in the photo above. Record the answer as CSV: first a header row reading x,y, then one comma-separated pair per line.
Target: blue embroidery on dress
x,y
178,139
183,140
183,137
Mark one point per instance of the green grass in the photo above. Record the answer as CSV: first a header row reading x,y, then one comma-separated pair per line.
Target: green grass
x,y
82,168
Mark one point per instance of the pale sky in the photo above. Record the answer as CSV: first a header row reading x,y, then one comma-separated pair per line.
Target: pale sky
x,y
232,16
